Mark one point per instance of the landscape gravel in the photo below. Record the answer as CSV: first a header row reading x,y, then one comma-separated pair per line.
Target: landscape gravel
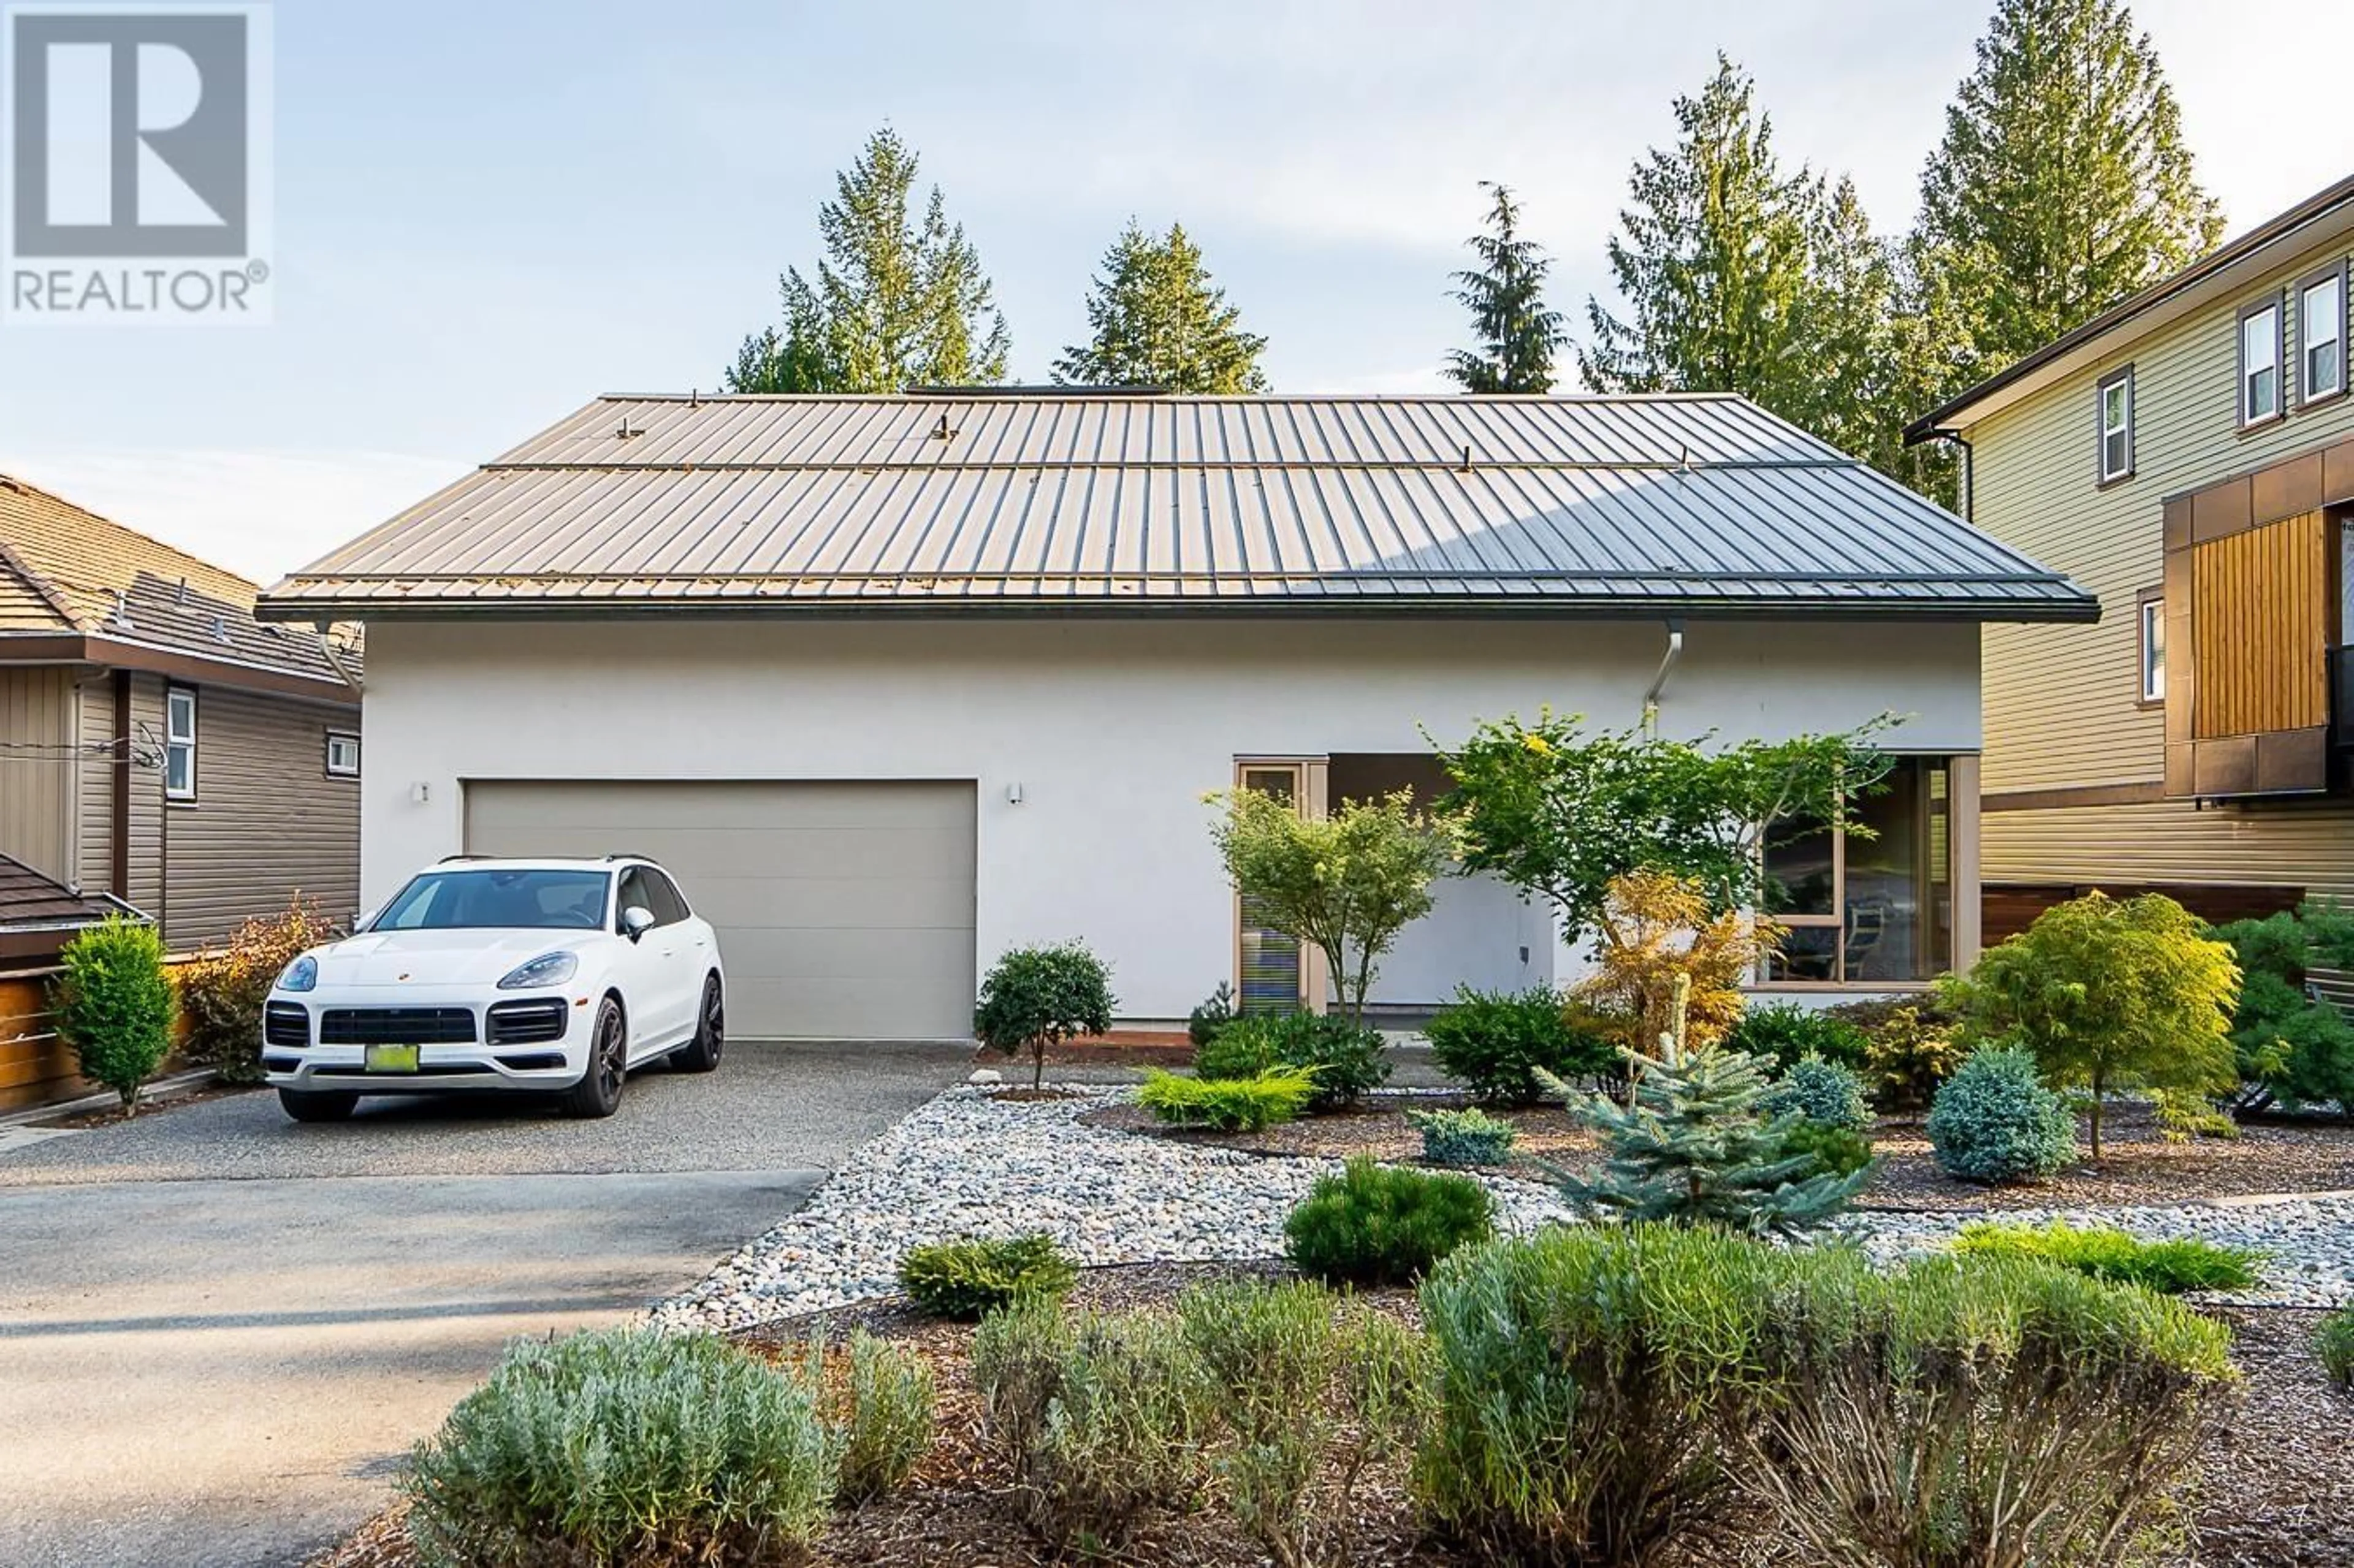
x,y
969,1163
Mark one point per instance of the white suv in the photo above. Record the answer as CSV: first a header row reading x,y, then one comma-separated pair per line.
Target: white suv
x,y
536,975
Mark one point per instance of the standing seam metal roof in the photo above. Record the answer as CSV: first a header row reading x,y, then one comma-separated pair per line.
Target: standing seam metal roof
x,y
1073,502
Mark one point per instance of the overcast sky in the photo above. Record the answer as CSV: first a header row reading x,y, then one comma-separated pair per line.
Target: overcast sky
x,y
488,213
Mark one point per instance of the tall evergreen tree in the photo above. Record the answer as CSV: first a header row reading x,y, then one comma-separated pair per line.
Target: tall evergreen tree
x,y
1158,321
1505,294
898,300
2062,185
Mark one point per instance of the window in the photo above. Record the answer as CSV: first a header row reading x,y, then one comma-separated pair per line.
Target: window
x,y
2321,335
497,900
1268,964
2260,332
634,895
1869,910
343,755
2153,649
669,907
179,744
2117,425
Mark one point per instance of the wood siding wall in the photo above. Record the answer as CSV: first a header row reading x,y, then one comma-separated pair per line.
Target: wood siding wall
x,y
2063,707
37,768
2260,625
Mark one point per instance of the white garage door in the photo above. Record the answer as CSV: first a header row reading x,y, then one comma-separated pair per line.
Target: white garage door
x,y
844,911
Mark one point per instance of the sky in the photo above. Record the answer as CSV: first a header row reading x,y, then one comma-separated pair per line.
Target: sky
x,y
487,213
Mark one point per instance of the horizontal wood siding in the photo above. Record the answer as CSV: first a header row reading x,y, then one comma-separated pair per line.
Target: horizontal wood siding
x,y
37,768
267,822
2063,703
2262,624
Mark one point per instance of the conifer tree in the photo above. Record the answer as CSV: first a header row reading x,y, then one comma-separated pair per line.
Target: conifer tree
x,y
899,300
1505,294
1158,321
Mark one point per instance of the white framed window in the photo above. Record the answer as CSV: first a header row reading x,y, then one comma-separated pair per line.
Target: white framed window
x,y
2260,389
179,743
343,754
2321,335
2153,649
2116,415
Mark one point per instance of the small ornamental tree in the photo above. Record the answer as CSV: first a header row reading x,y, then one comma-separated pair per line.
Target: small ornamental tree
x,y
1036,998
2109,995
114,1005
1561,812
1658,930
1346,883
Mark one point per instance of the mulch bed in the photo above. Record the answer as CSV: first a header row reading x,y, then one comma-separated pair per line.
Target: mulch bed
x,y
2279,1491
2138,1166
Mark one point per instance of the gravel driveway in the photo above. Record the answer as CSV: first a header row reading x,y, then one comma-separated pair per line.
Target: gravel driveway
x,y
219,1330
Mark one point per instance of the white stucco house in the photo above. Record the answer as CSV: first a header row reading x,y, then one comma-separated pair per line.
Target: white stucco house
x,y
894,684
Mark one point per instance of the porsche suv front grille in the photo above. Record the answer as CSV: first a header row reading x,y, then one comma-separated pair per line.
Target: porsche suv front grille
x,y
396,1026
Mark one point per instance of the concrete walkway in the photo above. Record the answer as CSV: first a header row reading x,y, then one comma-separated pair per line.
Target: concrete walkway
x,y
198,1369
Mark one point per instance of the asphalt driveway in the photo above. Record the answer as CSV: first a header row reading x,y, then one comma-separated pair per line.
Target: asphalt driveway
x,y
219,1330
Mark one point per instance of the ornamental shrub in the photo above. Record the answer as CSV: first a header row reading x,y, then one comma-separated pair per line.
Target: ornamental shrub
x,y
1385,1225
882,1412
2170,1267
1228,1104
623,1445
1036,998
1786,1033
114,1005
2287,1045
1209,1016
1832,1150
222,993
1908,1056
1995,1122
1348,1059
1101,1418
1464,1137
964,1280
2333,1343
1495,1043
1822,1092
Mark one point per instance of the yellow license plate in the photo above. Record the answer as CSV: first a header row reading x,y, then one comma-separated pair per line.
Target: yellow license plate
x,y
391,1058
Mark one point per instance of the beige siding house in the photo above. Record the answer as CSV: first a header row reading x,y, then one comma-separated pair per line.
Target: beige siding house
x,y
158,744
2188,456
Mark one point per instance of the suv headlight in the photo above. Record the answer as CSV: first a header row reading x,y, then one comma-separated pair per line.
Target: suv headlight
x,y
548,969
303,974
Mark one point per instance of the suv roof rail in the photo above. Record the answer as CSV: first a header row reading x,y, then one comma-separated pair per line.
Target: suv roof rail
x,y
445,859
629,854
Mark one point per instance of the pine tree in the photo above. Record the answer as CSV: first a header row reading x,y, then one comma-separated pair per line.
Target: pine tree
x,y
2062,185
897,302
1505,294
1158,321
1696,1148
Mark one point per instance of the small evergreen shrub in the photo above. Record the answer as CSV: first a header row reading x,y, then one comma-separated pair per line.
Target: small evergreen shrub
x,y
1228,1104
1830,1150
2285,1044
2333,1343
2185,1113
2169,1267
1347,1058
1034,999
114,1005
1787,1033
1496,1043
1211,1015
1907,1057
1101,1418
1822,1092
1308,1390
624,1445
882,1412
964,1280
1382,1224
1995,1122
222,993
1464,1137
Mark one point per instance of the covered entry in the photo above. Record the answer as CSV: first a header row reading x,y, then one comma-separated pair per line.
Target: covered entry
x,y
844,910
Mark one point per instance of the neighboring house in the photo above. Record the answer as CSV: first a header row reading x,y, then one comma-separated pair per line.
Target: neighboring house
x,y
894,684
158,745
2189,457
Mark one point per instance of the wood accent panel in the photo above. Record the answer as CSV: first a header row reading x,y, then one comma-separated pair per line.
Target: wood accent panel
x,y
37,768
2140,794
2259,624
2007,910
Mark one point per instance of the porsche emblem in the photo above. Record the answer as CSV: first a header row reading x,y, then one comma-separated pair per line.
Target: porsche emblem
x,y
400,976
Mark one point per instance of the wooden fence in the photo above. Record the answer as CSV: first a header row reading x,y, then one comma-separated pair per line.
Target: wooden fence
x,y
36,1066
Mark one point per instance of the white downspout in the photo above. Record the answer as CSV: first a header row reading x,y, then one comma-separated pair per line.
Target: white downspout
x,y
1659,681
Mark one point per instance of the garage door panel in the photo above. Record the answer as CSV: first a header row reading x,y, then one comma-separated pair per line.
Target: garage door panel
x,y
844,909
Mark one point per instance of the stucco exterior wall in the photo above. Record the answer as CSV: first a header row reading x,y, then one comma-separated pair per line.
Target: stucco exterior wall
x,y
1112,730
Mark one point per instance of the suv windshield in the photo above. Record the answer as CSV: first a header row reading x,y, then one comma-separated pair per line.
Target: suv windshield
x,y
450,900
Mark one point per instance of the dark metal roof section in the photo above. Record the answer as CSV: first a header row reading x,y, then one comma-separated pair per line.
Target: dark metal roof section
x,y
1071,503
31,902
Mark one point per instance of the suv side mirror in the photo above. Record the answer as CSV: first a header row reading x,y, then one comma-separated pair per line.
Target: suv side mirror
x,y
636,921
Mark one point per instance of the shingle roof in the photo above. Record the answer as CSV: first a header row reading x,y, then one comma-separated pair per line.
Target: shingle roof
x,y
954,502
65,569
29,900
